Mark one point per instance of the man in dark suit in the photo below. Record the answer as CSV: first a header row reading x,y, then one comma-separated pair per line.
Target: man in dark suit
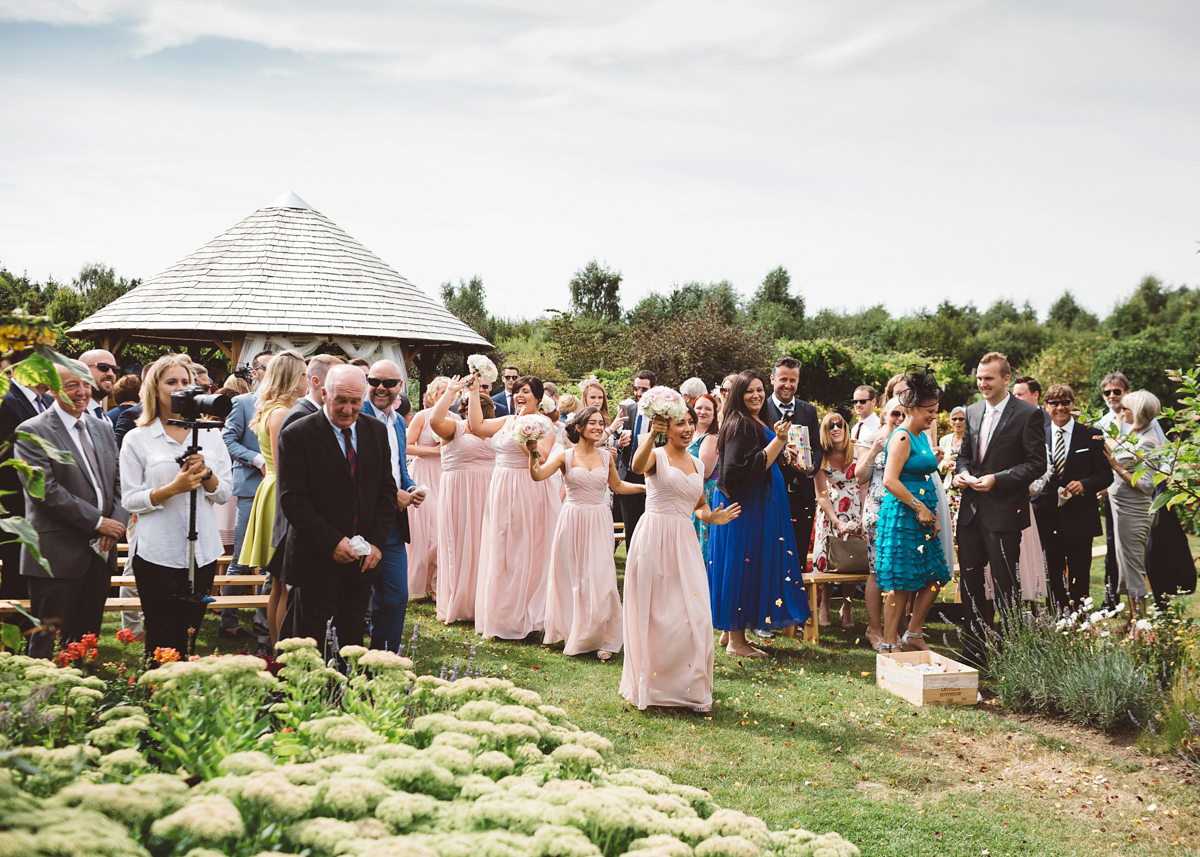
x,y
1002,452
802,494
335,483
1068,516
633,505
389,601
79,517
103,367
19,404
504,400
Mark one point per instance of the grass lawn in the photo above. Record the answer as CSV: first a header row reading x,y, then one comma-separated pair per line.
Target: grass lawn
x,y
806,739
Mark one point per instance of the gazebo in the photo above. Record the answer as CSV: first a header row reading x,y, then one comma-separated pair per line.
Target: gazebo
x,y
285,277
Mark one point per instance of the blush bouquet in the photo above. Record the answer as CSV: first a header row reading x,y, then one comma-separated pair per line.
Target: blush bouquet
x,y
530,427
662,402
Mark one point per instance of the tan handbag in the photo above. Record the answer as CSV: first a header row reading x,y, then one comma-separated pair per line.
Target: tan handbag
x,y
847,556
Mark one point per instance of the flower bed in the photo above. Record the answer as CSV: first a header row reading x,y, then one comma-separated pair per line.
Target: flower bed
x,y
221,757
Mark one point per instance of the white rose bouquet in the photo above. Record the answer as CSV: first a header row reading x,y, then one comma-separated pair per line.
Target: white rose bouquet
x,y
482,368
662,402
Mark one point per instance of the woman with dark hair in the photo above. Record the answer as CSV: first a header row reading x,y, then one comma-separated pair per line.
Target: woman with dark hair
x,y
908,558
704,447
467,463
755,568
519,517
583,607
668,623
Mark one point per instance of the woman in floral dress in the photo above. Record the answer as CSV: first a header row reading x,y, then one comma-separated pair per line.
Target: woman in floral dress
x,y
839,501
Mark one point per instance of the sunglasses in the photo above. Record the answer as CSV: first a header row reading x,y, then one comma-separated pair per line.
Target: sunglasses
x,y
1060,403
105,367
641,389
838,425
1110,393
895,414
958,419
388,383
511,377
861,401
726,390
260,367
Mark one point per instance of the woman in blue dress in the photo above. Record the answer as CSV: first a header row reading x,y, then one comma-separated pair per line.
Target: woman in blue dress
x,y
908,555
755,570
704,447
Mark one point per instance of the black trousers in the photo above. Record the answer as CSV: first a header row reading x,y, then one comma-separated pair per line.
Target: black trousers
x,y
633,506
979,547
75,605
802,506
168,603
341,595
1068,569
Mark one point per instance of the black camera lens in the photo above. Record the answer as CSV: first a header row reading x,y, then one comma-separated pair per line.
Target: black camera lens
x,y
192,402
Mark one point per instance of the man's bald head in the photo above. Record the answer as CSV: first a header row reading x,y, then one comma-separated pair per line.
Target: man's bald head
x,y
103,367
387,382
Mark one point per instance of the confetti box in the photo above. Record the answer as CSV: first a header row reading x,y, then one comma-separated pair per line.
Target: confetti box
x,y
958,685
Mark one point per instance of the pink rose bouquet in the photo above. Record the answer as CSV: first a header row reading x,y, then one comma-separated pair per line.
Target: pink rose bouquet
x,y
530,427
662,402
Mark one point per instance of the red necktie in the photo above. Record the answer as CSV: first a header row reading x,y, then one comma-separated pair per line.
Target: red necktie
x,y
352,459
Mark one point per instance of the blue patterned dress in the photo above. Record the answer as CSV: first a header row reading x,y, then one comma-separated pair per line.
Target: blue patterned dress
x,y
710,485
908,556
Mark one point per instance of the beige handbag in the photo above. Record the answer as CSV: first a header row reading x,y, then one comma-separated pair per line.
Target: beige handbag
x,y
847,556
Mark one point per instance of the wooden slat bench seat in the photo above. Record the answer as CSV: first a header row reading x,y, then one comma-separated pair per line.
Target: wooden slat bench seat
x,y
219,580
219,602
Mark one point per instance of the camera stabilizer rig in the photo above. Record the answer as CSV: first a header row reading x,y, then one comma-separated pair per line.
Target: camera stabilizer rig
x,y
192,403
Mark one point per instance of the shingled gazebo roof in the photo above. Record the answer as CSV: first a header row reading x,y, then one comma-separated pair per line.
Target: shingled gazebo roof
x,y
286,271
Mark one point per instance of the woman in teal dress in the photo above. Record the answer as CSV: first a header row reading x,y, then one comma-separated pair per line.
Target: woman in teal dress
x,y
704,447
908,555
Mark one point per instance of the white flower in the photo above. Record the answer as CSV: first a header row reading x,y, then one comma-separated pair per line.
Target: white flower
x,y
727,846
1096,617
482,368
273,792
206,818
494,764
246,762
1143,625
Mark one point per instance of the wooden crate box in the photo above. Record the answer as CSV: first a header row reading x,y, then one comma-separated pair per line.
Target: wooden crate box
x,y
958,685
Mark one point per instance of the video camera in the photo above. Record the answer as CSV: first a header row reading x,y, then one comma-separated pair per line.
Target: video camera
x,y
194,402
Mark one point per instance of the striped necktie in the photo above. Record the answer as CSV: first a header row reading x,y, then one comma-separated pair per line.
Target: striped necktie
x,y
1059,454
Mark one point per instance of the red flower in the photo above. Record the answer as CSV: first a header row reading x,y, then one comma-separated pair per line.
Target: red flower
x,y
850,469
63,659
125,636
821,563
843,505
90,641
165,655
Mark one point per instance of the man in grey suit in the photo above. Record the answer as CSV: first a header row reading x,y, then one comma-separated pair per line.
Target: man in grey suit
x,y
1002,452
248,469
78,518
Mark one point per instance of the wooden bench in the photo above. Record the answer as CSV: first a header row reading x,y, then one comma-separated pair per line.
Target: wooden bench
x,y
219,580
812,631
219,602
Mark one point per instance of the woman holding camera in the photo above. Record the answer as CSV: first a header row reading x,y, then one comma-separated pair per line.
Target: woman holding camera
x,y
157,476
285,381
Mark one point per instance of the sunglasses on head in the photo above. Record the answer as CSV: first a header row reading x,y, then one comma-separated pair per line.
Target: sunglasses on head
x,y
1060,403
1114,392
388,383
105,367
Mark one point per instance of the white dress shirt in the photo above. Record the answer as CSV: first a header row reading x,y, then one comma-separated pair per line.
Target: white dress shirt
x,y
81,459
148,462
864,431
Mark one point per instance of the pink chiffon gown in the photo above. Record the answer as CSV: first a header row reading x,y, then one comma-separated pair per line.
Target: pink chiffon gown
x,y
467,463
518,527
668,617
583,607
423,521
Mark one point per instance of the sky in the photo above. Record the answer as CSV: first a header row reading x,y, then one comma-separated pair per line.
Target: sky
x,y
901,152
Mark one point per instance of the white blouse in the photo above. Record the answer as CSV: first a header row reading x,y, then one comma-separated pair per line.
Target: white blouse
x,y
148,462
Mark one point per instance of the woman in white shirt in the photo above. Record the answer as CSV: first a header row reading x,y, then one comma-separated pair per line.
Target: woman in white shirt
x,y
156,488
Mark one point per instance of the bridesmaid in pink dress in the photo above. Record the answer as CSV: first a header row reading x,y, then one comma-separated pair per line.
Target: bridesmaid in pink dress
x,y
467,463
519,517
583,607
668,616
426,470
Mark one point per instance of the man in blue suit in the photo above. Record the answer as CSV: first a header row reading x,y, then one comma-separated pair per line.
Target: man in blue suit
x,y
390,601
504,400
248,468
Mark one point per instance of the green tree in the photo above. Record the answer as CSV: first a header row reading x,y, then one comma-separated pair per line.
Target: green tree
x,y
578,345
595,292
774,308
1069,315
700,345
1144,360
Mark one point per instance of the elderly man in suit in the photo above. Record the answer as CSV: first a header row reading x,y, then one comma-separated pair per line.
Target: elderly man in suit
x,y
249,467
1068,516
19,404
390,601
78,517
632,505
335,483
1003,451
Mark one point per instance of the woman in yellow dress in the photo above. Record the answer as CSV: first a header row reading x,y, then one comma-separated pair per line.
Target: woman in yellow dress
x,y
285,381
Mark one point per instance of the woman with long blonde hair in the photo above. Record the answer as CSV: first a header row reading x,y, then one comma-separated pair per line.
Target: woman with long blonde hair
x,y
285,381
425,446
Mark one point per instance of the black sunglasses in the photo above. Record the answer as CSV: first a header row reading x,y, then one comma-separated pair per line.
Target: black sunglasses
x,y
388,383
861,401
1108,393
1060,403
957,419
511,377
836,425
105,367
895,414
